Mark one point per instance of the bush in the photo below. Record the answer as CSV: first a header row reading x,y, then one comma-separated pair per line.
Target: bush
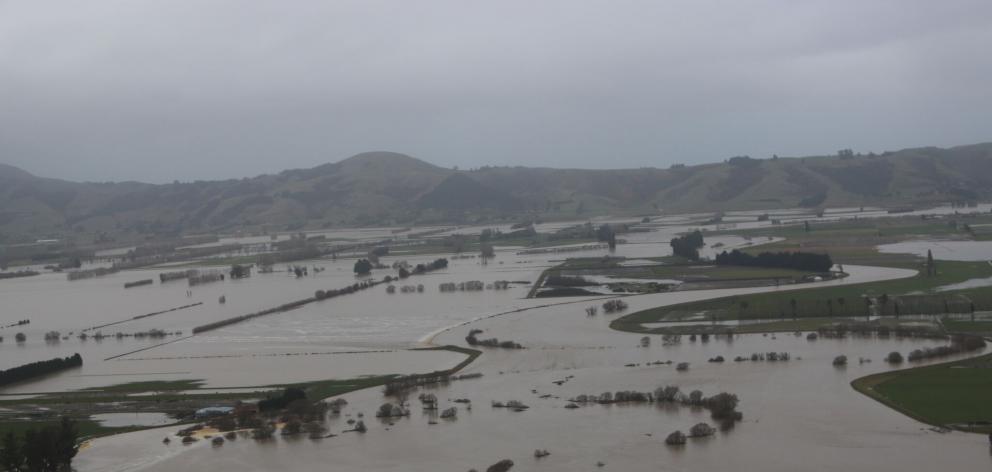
x,y
501,466
723,406
701,430
614,306
894,358
675,439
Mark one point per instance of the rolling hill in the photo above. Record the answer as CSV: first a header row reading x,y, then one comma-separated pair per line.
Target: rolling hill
x,y
385,188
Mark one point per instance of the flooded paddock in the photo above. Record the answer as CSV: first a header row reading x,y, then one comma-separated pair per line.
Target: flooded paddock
x,y
794,411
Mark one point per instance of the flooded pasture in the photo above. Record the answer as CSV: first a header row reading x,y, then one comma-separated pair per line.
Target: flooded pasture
x,y
803,407
793,411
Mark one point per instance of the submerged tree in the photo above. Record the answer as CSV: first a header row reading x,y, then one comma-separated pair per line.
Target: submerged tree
x,y
363,267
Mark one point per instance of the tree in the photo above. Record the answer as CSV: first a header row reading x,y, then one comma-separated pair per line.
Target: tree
x,y
931,266
487,252
688,246
841,301
607,234
793,303
65,443
363,267
239,271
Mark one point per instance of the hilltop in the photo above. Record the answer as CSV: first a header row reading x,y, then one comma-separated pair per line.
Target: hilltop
x,y
387,188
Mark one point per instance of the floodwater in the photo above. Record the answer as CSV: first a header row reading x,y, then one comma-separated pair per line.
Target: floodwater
x,y
970,283
945,250
797,413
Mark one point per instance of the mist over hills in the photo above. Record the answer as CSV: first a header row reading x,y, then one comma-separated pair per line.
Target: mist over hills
x,y
386,188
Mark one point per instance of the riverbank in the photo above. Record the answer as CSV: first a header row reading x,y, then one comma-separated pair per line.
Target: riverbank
x,y
953,395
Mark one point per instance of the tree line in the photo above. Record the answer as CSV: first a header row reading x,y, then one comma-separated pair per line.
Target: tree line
x,y
49,449
37,369
805,261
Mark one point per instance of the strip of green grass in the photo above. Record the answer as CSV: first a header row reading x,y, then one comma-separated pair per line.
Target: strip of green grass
x,y
709,272
949,395
837,301
971,327
88,428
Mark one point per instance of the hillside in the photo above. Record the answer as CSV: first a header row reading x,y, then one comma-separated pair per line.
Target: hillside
x,y
384,188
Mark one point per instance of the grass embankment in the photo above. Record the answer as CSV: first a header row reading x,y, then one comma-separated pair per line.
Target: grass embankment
x,y
844,301
952,395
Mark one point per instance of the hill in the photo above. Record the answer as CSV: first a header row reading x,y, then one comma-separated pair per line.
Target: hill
x,y
385,188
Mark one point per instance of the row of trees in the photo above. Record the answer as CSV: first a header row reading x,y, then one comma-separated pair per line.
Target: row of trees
x,y
365,266
37,369
688,246
49,449
782,260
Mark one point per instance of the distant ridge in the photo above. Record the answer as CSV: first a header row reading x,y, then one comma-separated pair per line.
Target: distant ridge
x,y
389,188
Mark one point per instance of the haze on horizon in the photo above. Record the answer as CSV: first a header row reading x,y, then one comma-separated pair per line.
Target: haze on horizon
x,y
210,89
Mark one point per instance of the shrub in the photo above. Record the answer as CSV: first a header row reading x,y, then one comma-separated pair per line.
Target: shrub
x,y
501,466
894,358
675,439
701,430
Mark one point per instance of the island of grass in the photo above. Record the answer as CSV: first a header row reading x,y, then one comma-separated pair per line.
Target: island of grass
x,y
952,395
575,276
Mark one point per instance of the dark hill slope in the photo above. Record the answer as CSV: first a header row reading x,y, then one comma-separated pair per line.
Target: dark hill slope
x,y
392,188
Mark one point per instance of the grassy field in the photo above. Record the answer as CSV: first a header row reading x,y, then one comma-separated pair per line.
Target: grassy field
x,y
950,395
821,302
88,428
854,241
672,268
980,327
708,272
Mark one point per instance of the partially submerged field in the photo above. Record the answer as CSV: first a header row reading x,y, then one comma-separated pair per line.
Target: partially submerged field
x,y
953,395
848,242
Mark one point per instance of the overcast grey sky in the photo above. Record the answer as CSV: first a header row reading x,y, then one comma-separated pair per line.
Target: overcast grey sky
x,y
205,89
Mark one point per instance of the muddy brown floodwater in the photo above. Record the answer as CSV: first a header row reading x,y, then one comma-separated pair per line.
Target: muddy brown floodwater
x,y
798,415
